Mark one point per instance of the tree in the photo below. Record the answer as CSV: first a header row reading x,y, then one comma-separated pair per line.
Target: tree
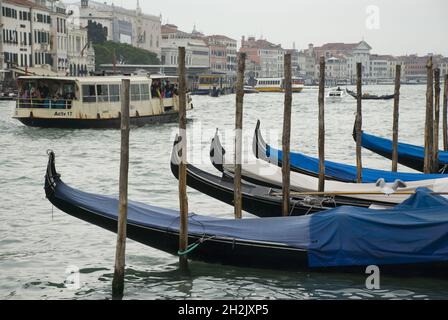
x,y
96,32
124,54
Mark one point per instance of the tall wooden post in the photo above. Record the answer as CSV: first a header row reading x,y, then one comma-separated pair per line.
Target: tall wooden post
x,y
120,254
322,126
435,164
429,130
286,141
359,121
238,197
396,118
183,200
445,114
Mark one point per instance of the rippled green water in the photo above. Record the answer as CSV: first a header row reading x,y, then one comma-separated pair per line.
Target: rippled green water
x,y
37,243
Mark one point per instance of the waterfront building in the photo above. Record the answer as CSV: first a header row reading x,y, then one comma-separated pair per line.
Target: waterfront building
x,y
59,35
267,57
294,61
443,66
382,68
223,54
196,50
81,55
25,29
132,27
414,70
307,63
353,52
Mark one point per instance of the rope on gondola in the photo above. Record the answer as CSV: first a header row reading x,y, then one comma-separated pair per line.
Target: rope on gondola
x,y
195,245
190,249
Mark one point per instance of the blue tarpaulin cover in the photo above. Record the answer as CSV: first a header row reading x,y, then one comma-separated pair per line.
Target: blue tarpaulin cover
x,y
413,232
346,172
381,145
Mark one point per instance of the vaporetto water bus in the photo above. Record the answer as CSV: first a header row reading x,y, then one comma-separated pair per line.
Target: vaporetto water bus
x,y
94,102
278,85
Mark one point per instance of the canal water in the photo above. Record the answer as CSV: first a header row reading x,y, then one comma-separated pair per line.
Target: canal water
x,y
40,245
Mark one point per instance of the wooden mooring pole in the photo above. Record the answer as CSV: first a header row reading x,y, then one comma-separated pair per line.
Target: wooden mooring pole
x,y
183,200
238,196
359,122
445,114
435,165
120,254
396,118
322,126
286,141
429,130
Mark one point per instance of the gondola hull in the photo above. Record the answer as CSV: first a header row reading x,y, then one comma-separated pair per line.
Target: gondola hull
x,y
158,228
371,97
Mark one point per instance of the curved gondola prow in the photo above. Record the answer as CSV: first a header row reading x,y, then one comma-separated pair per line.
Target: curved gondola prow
x,y
51,176
217,153
175,157
262,150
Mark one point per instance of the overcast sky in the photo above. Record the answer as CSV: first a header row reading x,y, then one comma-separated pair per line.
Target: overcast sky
x,y
389,26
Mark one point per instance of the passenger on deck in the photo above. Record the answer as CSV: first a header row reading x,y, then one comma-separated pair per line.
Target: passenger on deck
x,y
168,91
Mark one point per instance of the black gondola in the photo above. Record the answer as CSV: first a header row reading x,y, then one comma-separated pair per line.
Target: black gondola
x,y
257,200
370,96
217,157
279,243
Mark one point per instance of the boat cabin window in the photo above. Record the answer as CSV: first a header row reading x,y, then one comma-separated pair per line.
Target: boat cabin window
x,y
135,92
102,92
144,90
46,93
114,92
88,93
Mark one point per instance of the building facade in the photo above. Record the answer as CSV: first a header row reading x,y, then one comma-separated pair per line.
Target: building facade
x,y
80,53
34,38
25,34
223,54
265,58
132,27
196,50
307,63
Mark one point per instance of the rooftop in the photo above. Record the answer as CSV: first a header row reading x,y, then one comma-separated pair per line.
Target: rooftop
x,y
26,3
259,44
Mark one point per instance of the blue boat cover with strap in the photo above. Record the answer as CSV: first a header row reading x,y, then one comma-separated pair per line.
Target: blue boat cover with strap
x,y
345,172
414,232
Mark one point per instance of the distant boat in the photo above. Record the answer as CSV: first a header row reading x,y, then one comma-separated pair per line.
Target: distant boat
x,y
213,85
8,96
336,94
250,90
278,85
367,96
